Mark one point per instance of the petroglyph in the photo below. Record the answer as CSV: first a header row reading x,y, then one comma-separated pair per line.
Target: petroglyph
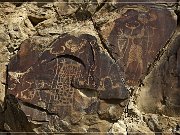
x,y
137,37
70,63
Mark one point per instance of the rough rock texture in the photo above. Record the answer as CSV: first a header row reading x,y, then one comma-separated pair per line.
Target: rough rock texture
x,y
109,67
52,79
136,36
162,83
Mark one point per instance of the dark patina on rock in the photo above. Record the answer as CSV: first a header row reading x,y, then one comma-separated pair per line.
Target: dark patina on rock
x,y
136,37
50,78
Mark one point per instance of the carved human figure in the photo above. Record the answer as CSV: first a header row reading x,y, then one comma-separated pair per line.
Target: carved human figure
x,y
136,39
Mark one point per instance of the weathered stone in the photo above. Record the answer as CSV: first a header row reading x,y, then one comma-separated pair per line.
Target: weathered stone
x,y
14,117
98,106
77,7
163,84
3,85
48,80
19,25
100,128
119,128
135,38
145,1
121,3
163,124
111,112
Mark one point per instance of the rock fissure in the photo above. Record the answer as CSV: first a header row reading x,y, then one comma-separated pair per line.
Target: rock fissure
x,y
102,40
38,108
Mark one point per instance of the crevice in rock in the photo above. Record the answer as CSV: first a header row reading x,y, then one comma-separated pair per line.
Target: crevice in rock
x,y
99,7
72,57
13,50
38,108
160,54
35,20
6,81
127,129
40,121
103,42
18,4
164,99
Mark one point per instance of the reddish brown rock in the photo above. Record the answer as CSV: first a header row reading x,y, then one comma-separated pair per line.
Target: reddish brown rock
x,y
47,81
136,37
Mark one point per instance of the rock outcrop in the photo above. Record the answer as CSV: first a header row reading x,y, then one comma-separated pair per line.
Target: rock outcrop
x,y
107,67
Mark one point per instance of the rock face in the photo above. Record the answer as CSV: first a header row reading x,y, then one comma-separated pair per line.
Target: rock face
x,y
163,83
49,79
135,38
110,67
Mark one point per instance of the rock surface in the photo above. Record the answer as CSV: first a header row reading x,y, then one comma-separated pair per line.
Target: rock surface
x,y
135,37
163,82
101,67
51,79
